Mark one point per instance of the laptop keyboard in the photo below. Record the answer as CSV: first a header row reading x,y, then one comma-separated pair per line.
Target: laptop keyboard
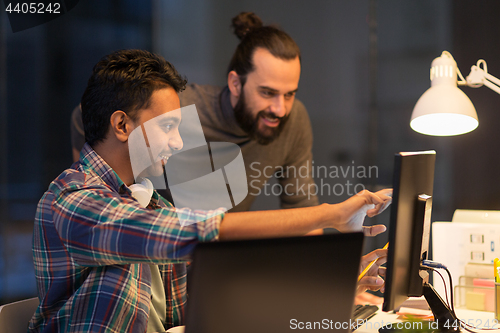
x,y
362,313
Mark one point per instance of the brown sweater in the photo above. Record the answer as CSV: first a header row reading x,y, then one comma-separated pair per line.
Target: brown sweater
x,y
291,151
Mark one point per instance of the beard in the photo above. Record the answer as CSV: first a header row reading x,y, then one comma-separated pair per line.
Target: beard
x,y
250,124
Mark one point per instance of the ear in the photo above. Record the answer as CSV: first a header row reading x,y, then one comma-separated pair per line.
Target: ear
x,y
121,125
234,84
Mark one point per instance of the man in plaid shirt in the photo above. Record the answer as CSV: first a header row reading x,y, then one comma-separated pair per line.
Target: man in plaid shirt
x,y
104,263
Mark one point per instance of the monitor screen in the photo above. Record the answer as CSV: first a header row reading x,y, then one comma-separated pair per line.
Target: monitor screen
x,y
409,226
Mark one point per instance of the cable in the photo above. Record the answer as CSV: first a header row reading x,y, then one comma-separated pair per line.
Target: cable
x,y
446,291
433,266
451,293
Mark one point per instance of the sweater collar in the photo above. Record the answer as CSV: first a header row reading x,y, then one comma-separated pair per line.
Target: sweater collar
x,y
228,112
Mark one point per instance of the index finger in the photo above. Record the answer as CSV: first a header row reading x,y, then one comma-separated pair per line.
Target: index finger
x,y
380,254
385,192
374,230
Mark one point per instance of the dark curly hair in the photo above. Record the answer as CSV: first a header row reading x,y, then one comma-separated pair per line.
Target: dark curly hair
x,y
124,80
253,34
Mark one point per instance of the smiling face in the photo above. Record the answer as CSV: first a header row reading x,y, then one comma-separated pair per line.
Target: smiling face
x,y
265,100
160,127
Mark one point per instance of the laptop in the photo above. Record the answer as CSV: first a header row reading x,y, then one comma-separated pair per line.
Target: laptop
x,y
274,285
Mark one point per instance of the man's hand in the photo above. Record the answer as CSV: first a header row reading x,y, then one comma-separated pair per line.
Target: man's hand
x,y
374,278
357,207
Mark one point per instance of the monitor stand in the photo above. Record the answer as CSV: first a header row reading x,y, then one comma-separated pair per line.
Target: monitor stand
x,y
445,320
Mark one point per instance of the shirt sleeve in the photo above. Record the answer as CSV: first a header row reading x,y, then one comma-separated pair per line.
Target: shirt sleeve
x,y
299,188
100,227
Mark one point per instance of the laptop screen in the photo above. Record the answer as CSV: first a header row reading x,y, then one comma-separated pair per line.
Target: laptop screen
x,y
274,285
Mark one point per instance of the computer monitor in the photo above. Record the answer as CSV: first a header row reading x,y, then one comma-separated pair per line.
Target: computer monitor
x,y
409,234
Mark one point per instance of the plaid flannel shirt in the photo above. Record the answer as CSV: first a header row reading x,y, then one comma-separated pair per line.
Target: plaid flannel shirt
x,y
92,246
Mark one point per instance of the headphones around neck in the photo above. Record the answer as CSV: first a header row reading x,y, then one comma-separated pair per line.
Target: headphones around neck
x,y
142,192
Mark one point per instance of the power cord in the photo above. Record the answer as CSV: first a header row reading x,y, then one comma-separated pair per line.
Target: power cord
x,y
434,266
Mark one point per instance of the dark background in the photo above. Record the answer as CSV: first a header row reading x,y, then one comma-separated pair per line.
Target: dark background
x,y
365,63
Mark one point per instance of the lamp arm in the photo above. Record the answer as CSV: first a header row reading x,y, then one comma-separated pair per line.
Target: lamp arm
x,y
492,86
492,82
479,77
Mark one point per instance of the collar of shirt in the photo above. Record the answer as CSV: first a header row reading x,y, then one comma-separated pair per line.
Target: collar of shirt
x,y
90,160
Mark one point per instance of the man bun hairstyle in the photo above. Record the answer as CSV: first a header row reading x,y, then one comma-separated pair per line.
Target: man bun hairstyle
x,y
253,34
244,23
124,80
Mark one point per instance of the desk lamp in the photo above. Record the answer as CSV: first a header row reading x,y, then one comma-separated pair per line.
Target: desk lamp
x,y
445,110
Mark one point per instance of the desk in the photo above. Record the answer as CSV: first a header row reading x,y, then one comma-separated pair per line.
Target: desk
x,y
475,318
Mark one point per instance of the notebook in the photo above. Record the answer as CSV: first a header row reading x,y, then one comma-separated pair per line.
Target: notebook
x,y
274,285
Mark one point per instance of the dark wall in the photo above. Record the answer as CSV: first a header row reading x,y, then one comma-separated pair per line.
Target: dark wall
x,y
43,72
364,65
476,158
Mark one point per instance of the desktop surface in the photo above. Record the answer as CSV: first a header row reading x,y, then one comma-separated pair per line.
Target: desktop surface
x,y
480,319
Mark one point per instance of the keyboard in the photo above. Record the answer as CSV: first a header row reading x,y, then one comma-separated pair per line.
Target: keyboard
x,y
362,313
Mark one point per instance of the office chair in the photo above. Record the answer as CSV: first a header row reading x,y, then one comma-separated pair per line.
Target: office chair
x,y
14,317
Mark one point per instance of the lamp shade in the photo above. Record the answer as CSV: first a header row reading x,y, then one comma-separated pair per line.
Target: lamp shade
x,y
444,109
